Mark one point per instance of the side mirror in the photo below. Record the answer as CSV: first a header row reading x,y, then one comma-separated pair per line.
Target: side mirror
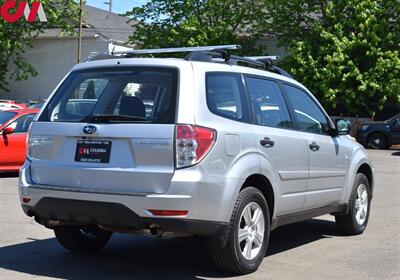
x,y
343,126
8,130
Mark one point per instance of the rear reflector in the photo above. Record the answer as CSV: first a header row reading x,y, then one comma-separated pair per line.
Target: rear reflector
x,y
168,212
26,200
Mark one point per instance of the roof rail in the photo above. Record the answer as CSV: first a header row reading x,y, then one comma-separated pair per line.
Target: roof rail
x,y
260,58
175,50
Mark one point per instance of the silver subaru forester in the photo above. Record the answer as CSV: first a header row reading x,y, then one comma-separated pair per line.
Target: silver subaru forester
x,y
199,146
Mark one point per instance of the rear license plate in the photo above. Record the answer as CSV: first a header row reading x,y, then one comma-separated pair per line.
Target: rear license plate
x,y
93,151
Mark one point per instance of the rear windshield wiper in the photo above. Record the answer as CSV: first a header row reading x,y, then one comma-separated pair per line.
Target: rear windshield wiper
x,y
113,118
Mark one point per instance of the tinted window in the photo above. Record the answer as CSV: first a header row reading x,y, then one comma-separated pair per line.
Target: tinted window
x,y
397,122
21,125
309,117
147,94
6,116
267,103
225,95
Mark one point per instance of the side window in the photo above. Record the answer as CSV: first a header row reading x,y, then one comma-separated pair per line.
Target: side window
x,y
267,103
225,95
309,117
21,125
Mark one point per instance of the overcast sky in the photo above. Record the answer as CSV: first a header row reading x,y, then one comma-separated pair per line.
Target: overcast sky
x,y
119,6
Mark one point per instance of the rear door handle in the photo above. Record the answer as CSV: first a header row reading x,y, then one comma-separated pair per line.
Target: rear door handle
x,y
267,143
314,147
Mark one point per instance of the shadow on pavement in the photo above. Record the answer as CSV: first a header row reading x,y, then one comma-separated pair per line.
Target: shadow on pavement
x,y
396,154
9,174
295,235
143,258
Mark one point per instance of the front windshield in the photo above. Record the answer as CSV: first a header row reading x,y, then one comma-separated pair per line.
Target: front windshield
x,y
115,94
393,118
6,116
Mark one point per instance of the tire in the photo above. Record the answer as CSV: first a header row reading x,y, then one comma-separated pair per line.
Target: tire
x,y
78,239
351,223
378,141
234,258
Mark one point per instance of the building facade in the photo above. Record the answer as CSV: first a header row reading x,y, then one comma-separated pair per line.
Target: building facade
x,y
53,54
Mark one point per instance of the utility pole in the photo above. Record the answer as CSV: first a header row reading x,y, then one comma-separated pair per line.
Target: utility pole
x,y
80,31
109,3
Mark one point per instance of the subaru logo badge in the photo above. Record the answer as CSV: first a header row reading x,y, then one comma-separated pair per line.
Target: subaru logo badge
x,y
89,129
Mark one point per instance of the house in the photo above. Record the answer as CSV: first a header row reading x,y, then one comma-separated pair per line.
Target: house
x,y
53,55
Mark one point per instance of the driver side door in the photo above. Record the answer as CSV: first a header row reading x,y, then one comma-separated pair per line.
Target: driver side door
x,y
395,131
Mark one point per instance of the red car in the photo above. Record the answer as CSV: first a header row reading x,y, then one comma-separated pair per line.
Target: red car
x,y
14,125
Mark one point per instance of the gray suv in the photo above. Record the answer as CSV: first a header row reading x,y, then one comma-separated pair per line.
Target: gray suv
x,y
199,146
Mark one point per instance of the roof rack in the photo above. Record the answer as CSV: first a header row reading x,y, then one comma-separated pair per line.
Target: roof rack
x,y
175,50
218,53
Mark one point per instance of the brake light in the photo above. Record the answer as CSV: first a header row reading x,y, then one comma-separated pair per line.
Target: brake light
x,y
28,141
192,144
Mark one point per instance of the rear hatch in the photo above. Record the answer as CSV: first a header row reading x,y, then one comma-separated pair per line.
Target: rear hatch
x,y
108,130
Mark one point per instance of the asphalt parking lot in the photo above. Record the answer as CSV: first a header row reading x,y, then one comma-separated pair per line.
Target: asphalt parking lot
x,y
306,250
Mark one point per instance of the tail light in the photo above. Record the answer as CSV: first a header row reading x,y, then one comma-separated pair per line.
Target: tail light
x,y
192,144
28,141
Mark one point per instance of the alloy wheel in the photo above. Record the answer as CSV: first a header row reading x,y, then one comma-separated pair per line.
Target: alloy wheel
x,y
251,231
361,204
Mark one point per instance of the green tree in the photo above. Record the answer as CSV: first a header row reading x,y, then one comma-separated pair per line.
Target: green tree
x,y
16,37
178,23
345,51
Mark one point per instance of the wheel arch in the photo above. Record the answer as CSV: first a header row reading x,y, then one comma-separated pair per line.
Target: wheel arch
x,y
263,184
359,164
366,169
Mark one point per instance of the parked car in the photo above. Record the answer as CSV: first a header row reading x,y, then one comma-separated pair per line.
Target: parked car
x,y
11,105
380,135
14,126
183,147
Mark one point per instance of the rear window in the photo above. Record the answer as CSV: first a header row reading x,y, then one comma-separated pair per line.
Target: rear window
x,y
145,94
6,116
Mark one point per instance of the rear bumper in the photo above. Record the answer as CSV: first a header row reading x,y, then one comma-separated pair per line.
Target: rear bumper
x,y
112,215
208,200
